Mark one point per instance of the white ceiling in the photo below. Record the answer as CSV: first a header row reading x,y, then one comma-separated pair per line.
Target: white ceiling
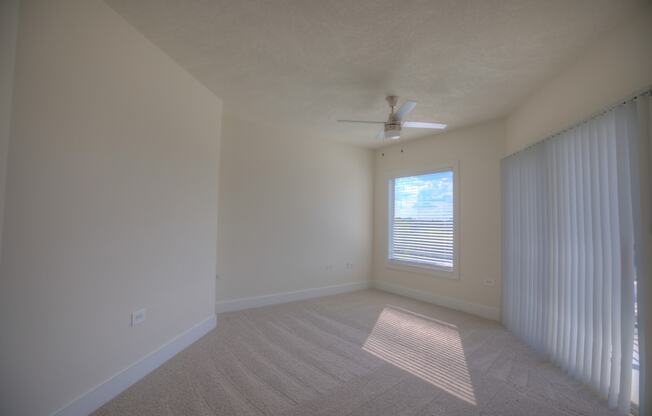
x,y
307,63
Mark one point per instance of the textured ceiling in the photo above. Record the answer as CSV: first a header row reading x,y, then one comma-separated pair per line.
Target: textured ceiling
x,y
302,64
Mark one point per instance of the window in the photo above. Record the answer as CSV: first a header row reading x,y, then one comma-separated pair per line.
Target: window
x,y
422,223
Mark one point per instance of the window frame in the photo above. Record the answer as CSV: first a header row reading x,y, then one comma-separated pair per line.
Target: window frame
x,y
416,267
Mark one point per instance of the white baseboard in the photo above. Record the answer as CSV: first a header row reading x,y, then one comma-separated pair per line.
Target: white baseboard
x,y
102,393
483,311
276,298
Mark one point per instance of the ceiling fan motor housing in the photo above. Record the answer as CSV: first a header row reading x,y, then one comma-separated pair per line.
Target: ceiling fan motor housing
x,y
393,130
393,124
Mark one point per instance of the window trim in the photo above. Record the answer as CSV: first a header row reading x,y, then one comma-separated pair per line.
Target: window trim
x,y
416,267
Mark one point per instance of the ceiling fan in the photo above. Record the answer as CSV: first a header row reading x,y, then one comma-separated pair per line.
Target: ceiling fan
x,y
395,121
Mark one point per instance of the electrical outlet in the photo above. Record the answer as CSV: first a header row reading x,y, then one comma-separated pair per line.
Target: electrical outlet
x,y
349,265
489,282
137,317
328,267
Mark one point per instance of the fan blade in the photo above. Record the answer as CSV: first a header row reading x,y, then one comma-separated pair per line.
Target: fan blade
x,y
423,125
360,121
405,109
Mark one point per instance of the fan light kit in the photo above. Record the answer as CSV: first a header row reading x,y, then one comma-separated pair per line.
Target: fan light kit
x,y
395,122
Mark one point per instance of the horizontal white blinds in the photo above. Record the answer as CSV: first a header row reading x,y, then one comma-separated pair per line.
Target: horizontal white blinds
x,y
422,220
568,250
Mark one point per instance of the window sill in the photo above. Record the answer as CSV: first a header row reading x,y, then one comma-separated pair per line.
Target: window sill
x,y
422,269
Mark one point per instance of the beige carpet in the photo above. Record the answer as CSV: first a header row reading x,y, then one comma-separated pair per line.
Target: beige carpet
x,y
361,353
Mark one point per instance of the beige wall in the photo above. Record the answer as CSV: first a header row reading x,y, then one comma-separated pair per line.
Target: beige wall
x,y
111,204
612,68
478,150
290,206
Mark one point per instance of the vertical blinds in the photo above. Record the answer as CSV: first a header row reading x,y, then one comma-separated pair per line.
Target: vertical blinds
x,y
422,220
570,221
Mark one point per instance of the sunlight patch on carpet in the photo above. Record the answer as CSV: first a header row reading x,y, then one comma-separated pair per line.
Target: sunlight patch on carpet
x,y
425,347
